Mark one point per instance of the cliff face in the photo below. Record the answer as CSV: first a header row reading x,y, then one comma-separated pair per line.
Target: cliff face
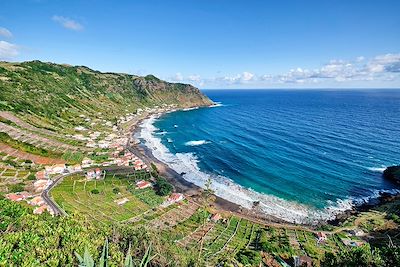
x,y
53,90
392,173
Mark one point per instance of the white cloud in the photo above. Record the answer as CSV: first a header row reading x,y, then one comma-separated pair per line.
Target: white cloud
x,y
382,68
5,33
67,23
247,76
194,78
8,50
382,63
178,77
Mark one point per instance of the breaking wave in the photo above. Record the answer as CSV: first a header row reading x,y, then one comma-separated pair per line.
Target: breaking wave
x,y
196,143
377,169
224,187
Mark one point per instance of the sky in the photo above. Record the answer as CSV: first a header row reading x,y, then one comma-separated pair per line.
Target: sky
x,y
214,44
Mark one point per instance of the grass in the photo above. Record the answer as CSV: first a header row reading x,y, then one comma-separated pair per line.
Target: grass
x,y
5,138
74,195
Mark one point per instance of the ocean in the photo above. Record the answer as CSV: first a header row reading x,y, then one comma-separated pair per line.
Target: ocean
x,y
305,155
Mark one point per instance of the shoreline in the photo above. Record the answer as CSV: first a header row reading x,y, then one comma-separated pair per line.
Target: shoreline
x,y
225,206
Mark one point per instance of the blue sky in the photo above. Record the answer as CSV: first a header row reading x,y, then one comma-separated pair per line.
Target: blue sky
x,y
214,44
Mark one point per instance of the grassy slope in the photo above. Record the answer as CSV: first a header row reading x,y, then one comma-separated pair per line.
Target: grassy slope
x,y
61,92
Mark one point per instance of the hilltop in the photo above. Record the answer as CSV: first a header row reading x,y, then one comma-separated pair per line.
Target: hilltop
x,y
60,93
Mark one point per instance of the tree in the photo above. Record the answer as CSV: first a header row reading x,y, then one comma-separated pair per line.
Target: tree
x,y
163,187
208,191
154,171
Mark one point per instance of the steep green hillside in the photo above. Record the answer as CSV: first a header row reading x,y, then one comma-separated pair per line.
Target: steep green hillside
x,y
61,92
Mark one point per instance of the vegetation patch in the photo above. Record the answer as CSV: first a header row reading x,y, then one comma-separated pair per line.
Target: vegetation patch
x,y
5,138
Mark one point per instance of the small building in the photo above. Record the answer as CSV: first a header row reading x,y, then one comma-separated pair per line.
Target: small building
x,y
98,173
175,197
122,201
18,196
86,163
41,209
321,237
143,184
94,174
356,232
55,169
216,217
41,175
41,185
36,201
90,174
76,168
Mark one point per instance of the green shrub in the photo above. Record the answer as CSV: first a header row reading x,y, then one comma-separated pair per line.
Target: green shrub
x,y
95,191
17,187
163,187
116,190
249,257
31,177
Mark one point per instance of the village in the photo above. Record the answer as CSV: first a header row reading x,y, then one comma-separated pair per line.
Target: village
x,y
114,146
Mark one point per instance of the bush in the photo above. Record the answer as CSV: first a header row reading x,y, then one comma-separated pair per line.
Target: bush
x,y
116,190
17,187
249,257
163,187
31,177
95,191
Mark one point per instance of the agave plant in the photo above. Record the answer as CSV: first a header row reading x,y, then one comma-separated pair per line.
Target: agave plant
x,y
87,259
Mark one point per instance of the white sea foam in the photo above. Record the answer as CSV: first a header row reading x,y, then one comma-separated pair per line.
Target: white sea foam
x,y
217,104
196,143
188,109
224,187
377,169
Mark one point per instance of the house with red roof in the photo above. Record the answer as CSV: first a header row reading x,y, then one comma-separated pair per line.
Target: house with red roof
x,y
175,197
41,175
36,201
216,217
18,196
142,184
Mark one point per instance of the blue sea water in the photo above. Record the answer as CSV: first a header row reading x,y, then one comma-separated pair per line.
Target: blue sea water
x,y
305,154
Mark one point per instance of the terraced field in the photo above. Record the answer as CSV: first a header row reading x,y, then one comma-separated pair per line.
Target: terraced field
x,y
75,194
38,141
9,176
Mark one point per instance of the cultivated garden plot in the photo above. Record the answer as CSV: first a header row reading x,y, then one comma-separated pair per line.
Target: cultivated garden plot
x,y
174,216
98,199
15,121
37,140
27,156
11,176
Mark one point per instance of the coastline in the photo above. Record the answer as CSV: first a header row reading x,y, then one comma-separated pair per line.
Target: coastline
x,y
190,189
225,206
